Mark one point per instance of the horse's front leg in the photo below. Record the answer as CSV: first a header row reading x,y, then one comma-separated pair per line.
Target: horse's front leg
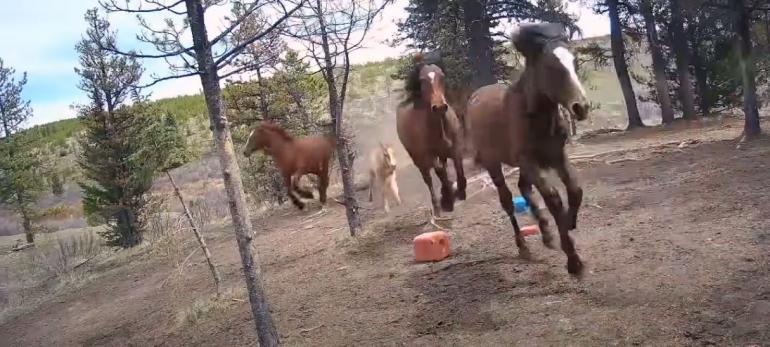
x,y
425,172
525,187
394,187
447,196
555,205
506,201
574,191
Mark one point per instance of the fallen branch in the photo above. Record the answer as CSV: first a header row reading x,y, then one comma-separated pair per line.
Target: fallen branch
x,y
84,261
310,329
23,247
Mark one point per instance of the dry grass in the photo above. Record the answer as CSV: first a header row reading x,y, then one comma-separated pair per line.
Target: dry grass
x,y
210,307
31,276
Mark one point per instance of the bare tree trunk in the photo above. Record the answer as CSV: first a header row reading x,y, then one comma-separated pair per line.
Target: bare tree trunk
x,y
621,67
231,175
198,236
26,221
658,64
480,50
701,83
336,101
751,125
682,54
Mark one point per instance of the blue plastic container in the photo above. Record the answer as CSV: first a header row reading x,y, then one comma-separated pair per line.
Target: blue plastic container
x,y
520,204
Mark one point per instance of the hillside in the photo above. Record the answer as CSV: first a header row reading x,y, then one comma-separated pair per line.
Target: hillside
x,y
372,97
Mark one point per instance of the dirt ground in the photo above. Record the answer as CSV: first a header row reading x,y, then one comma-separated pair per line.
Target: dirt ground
x,y
676,241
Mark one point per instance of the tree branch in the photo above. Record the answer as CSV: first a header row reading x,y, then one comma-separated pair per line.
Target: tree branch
x,y
238,48
166,78
112,6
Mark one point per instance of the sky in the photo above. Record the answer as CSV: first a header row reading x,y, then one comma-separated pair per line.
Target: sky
x,y
38,37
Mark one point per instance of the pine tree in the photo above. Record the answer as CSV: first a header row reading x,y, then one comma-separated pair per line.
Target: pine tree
x,y
116,179
461,31
19,182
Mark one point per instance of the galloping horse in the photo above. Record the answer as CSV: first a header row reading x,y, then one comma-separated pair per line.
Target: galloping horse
x,y
457,95
521,126
431,133
294,158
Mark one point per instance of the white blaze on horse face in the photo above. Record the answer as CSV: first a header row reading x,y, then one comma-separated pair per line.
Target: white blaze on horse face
x,y
432,76
568,60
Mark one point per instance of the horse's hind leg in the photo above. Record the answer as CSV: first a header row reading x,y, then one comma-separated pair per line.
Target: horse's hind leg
x,y
525,187
457,160
574,191
429,182
301,192
506,201
447,196
555,205
287,179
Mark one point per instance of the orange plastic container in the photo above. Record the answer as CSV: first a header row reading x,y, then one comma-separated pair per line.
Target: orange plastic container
x,y
530,230
432,246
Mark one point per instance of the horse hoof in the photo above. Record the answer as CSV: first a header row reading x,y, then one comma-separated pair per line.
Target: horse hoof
x,y
460,194
525,254
575,266
447,205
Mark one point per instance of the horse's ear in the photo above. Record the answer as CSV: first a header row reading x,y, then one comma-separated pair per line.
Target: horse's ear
x,y
529,39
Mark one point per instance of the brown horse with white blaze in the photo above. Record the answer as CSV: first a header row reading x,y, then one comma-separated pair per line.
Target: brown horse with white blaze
x,y
294,157
431,132
520,126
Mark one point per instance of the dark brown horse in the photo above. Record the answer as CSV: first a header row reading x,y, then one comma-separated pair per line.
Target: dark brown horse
x,y
457,95
295,157
521,126
431,132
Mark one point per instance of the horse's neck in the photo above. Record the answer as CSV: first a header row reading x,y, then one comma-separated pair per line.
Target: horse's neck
x,y
279,145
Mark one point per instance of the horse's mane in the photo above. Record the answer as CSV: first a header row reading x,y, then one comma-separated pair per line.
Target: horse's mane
x,y
529,39
413,86
270,126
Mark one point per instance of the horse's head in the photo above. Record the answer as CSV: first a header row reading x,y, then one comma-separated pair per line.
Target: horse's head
x,y
388,158
551,66
263,136
427,83
257,141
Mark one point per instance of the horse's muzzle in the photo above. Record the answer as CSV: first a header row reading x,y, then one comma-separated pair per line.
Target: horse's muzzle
x,y
439,108
580,110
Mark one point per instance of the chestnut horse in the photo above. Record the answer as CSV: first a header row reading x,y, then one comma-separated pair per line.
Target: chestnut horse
x,y
520,125
295,157
431,132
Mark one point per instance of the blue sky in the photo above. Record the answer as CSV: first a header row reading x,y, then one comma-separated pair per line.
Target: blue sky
x,y
38,36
